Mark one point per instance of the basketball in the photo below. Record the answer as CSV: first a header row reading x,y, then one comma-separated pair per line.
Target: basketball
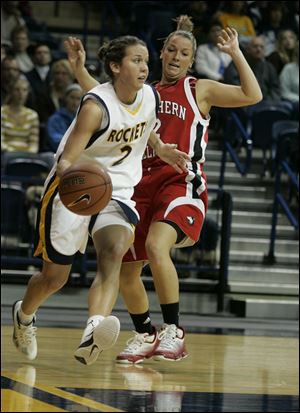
x,y
85,188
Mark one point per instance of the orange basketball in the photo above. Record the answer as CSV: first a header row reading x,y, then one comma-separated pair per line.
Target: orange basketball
x,y
85,188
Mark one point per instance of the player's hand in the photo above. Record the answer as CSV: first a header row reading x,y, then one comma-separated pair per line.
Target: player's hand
x,y
76,53
172,156
62,165
228,41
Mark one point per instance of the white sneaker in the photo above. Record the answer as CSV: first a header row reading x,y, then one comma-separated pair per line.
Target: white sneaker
x,y
24,336
171,346
139,347
96,339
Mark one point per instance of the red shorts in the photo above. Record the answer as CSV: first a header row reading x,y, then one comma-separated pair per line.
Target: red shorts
x,y
164,195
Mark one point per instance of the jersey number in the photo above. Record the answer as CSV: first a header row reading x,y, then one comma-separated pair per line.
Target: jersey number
x,y
127,149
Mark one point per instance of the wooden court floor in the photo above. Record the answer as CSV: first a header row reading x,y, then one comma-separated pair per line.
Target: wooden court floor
x,y
223,373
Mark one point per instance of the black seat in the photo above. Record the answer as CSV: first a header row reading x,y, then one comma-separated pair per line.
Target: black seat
x,y
27,167
12,213
262,120
285,135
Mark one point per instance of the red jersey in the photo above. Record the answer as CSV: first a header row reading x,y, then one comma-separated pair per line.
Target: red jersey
x,y
180,122
163,194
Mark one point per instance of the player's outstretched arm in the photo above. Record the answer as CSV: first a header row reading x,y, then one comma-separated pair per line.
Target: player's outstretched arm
x,y
211,93
77,57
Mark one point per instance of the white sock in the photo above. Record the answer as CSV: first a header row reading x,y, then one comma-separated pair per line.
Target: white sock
x,y
25,319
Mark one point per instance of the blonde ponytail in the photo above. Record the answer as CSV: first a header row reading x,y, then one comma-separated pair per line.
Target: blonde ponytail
x,y
184,28
184,23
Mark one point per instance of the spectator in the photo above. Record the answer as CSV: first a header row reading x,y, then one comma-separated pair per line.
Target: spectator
x,y
50,97
210,62
39,76
264,71
201,15
59,122
257,12
289,83
292,15
286,48
5,50
20,43
10,18
62,76
272,25
19,124
234,15
10,72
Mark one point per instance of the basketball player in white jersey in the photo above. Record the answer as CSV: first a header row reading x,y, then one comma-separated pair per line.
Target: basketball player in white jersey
x,y
113,124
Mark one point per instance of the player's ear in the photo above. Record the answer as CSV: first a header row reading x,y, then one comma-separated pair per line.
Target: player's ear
x,y
115,67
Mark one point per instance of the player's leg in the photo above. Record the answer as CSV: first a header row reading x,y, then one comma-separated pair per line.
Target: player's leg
x,y
40,287
145,338
59,235
161,238
112,236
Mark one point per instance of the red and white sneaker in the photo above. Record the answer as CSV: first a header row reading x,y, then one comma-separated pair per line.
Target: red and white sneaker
x,y
138,348
171,346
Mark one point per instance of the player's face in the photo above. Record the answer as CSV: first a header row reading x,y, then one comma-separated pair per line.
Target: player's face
x,y
177,57
134,71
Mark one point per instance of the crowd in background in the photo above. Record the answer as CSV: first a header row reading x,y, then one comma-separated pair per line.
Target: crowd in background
x,y
40,97
38,104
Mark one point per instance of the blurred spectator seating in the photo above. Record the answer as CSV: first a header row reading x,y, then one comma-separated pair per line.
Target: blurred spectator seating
x,y
286,49
272,24
20,43
286,131
210,63
59,122
39,78
234,14
264,71
261,120
12,214
10,18
289,83
19,124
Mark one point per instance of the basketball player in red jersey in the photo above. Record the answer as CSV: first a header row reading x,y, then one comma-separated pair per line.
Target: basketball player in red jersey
x,y
172,206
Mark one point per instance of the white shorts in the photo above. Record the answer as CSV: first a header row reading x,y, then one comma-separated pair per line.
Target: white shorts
x,y
112,214
60,233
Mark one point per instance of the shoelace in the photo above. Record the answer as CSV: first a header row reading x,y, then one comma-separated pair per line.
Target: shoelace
x,y
26,334
167,337
135,342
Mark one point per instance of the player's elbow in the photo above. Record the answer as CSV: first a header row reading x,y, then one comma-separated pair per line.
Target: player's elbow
x,y
258,96
254,97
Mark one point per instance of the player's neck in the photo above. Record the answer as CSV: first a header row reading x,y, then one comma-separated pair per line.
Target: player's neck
x,y
165,81
124,95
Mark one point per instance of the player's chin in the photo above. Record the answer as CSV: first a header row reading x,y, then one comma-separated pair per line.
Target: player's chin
x,y
141,81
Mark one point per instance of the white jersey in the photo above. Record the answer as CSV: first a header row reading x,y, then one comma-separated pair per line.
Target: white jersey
x,y
120,144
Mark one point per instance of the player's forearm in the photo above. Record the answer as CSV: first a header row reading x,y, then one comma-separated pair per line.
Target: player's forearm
x,y
249,84
155,142
85,80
